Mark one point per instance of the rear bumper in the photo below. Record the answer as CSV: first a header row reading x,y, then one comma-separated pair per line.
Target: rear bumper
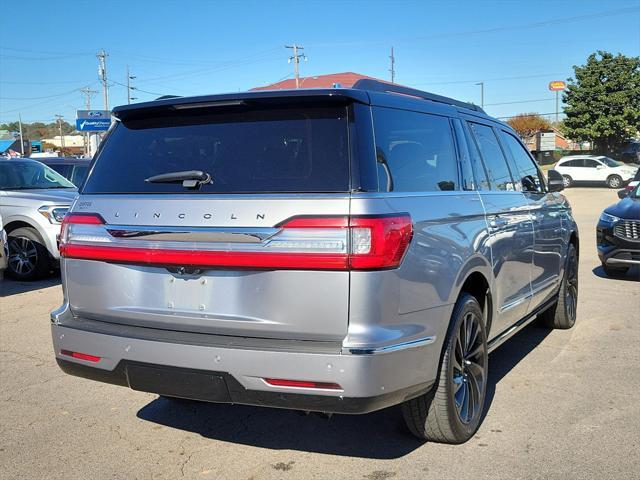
x,y
174,367
222,387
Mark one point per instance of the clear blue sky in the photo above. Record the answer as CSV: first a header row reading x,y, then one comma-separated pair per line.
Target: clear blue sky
x,y
192,47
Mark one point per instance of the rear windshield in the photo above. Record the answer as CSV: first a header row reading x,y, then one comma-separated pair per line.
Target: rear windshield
x,y
258,151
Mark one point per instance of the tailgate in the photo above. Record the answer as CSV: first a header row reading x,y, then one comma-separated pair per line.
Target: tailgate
x,y
179,293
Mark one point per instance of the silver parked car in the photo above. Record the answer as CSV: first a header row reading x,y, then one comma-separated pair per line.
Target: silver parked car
x,y
33,201
333,250
4,250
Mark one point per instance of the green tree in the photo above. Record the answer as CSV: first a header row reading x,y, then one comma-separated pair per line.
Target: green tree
x,y
603,101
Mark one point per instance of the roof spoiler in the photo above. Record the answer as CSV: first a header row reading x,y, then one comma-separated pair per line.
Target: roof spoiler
x,y
378,86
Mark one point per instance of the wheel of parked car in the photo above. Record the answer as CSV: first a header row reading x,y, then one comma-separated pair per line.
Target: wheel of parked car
x,y
563,314
614,181
567,181
614,271
28,257
452,412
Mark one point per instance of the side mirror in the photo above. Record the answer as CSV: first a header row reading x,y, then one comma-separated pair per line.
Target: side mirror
x,y
623,193
555,181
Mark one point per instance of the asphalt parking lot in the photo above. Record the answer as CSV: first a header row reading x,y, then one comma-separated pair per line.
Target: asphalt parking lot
x,y
561,404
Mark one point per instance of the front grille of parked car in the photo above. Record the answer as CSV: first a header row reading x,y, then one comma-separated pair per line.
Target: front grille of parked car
x,y
628,229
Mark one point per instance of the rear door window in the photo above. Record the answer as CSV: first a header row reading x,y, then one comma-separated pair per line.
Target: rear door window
x,y
415,151
494,160
525,166
244,151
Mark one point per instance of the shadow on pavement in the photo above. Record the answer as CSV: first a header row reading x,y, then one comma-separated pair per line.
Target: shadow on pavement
x,y
12,287
378,435
633,274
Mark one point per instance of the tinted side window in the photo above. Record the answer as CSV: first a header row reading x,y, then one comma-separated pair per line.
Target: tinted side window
x,y
573,163
527,170
494,160
64,170
482,182
79,174
591,163
416,150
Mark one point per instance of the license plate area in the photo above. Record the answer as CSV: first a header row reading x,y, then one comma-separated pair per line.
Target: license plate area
x,y
178,382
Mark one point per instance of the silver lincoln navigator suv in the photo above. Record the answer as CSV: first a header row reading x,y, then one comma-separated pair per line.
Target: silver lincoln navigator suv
x,y
333,250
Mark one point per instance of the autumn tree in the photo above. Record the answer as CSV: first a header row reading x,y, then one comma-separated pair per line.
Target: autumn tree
x,y
603,101
528,124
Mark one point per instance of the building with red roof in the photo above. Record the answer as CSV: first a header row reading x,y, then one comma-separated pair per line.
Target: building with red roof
x,y
345,79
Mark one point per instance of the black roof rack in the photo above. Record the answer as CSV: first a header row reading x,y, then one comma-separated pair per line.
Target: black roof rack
x,y
378,86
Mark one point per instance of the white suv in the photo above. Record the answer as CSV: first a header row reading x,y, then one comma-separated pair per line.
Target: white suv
x,y
590,168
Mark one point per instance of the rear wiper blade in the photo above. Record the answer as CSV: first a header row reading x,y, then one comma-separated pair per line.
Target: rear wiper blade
x,y
189,178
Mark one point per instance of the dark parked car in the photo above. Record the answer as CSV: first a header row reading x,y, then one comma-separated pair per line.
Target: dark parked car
x,y
618,235
71,168
631,152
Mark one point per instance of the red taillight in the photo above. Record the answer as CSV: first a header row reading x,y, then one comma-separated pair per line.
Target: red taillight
x,y
80,356
390,237
279,382
304,243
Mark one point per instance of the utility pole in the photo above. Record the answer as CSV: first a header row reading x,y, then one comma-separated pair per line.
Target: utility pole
x,y
87,103
88,94
296,60
21,138
59,118
481,93
129,87
392,69
102,73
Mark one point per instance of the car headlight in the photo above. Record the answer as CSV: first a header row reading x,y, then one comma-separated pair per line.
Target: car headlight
x,y
606,218
54,214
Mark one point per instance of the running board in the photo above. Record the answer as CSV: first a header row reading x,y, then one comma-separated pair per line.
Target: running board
x,y
516,327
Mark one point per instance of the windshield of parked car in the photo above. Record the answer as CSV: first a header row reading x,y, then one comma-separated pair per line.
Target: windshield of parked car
x,y
610,162
20,175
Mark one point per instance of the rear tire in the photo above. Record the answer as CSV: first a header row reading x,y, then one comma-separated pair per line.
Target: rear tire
x,y
614,181
567,181
615,271
562,315
28,257
452,412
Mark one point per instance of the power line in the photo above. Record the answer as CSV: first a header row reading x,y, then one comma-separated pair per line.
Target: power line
x,y
519,77
520,101
40,98
40,52
542,23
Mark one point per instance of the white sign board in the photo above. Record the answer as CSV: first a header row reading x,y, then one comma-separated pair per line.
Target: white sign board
x,y
546,141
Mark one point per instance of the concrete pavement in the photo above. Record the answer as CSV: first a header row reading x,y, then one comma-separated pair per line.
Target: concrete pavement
x,y
561,405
